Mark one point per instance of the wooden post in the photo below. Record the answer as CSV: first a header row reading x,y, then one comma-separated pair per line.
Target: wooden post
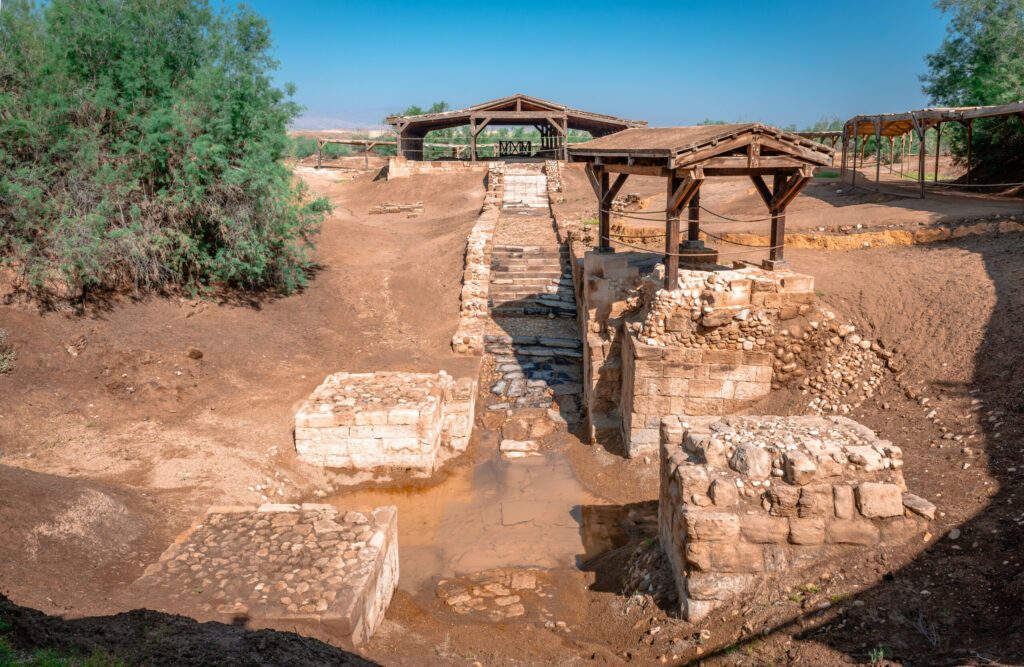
x,y
319,153
842,164
892,154
472,139
970,146
693,219
920,161
604,215
938,144
672,234
778,215
856,138
878,155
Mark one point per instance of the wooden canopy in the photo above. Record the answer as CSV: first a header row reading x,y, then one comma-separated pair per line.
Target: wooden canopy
x,y
686,156
893,125
551,119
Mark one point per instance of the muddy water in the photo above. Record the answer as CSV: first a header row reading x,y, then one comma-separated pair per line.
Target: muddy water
x,y
497,513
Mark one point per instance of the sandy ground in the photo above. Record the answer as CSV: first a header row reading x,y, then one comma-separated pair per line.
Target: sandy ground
x,y
107,415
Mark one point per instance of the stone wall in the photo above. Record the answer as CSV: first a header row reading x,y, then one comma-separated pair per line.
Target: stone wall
x,y
476,276
705,348
400,167
305,566
386,420
747,502
604,284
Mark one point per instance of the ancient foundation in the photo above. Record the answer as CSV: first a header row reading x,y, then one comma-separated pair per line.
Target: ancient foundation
x,y
747,502
283,566
400,167
386,420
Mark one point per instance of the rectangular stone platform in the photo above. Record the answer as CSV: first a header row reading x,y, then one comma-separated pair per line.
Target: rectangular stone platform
x,y
748,500
305,566
366,421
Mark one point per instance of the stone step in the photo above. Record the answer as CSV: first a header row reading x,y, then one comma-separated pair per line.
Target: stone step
x,y
532,282
516,275
550,341
532,297
531,249
530,310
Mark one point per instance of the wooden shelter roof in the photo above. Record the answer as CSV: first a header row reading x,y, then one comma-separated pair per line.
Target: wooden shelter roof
x,y
700,145
898,124
518,109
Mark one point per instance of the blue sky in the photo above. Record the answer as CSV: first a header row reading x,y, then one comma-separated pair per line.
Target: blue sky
x,y
670,63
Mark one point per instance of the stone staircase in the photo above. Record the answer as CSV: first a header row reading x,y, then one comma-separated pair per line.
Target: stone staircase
x,y
525,189
531,280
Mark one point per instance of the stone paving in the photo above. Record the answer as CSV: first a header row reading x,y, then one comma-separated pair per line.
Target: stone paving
x,y
281,566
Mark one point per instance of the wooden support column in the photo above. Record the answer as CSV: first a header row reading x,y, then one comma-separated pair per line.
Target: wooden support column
x,y
878,155
856,138
693,222
846,146
784,190
472,139
920,129
938,146
970,147
319,153
606,192
892,154
672,233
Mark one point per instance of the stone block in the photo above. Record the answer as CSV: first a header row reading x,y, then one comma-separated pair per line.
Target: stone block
x,y
752,391
710,526
752,461
798,467
708,586
919,506
763,529
783,500
842,496
806,531
725,557
879,500
815,501
722,357
724,493
855,531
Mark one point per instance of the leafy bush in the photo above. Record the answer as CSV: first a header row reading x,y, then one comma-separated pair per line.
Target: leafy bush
x,y
141,146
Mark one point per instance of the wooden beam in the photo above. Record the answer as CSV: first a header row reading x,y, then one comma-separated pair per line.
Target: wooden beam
x,y
595,181
762,189
604,226
938,149
970,148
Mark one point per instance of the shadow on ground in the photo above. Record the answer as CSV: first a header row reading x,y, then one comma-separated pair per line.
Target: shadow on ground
x,y
958,601
143,637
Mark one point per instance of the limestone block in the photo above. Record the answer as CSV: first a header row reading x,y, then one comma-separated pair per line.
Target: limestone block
x,y
725,557
709,526
763,529
815,501
855,531
806,531
879,500
842,496
724,493
919,506
707,586
798,467
752,461
783,500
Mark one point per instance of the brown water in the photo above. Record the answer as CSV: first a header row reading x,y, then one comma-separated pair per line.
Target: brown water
x,y
497,513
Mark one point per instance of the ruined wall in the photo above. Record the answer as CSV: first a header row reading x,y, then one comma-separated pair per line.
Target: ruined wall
x,y
367,421
400,167
476,276
605,282
747,502
705,348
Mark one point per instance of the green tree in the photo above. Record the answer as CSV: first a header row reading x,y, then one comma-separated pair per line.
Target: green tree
x,y
141,146
981,62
